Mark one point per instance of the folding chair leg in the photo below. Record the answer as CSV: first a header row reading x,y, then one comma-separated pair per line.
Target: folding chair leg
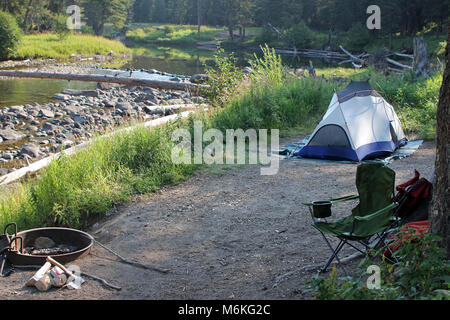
x,y
334,255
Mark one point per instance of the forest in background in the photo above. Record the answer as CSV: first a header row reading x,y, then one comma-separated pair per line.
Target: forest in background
x,y
404,17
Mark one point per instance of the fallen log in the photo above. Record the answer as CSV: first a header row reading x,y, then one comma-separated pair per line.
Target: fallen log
x,y
354,58
398,64
404,55
158,84
345,61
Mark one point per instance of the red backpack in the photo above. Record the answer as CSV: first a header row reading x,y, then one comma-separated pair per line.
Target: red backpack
x,y
411,194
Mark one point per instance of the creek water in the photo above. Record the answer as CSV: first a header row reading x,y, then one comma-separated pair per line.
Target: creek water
x,y
174,60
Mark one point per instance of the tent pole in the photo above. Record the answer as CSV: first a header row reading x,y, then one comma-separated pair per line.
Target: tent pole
x,y
346,125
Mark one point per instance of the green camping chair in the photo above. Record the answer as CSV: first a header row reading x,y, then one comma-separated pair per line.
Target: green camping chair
x,y
370,219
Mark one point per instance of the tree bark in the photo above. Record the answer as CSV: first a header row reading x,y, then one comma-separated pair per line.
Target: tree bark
x,y
27,14
199,22
439,214
230,31
421,66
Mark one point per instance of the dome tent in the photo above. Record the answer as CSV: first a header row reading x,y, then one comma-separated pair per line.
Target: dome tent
x,y
358,124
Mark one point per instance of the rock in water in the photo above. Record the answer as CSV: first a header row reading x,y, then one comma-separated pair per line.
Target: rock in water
x,y
46,113
31,150
10,134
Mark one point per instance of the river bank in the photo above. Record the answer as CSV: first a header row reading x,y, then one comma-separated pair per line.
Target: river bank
x,y
33,131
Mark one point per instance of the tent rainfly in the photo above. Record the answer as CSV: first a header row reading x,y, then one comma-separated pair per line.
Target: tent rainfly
x,y
359,124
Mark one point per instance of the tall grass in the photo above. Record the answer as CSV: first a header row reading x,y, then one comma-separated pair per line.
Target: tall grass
x,y
79,189
292,103
49,45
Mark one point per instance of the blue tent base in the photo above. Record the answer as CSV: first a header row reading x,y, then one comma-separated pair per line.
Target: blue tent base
x,y
405,151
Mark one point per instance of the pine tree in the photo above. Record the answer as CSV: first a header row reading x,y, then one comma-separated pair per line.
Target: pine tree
x,y
99,12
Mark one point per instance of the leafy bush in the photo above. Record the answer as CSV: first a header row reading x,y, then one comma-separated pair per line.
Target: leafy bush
x,y
86,29
10,35
357,37
224,78
268,69
267,35
60,26
302,36
421,273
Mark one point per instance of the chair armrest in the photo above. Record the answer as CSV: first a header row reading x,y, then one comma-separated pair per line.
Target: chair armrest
x,y
376,213
346,198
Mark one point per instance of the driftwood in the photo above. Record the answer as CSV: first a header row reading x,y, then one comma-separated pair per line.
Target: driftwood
x,y
312,53
166,85
398,64
352,57
404,55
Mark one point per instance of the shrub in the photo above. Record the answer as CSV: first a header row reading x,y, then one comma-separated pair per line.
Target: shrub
x,y
302,36
357,37
10,34
224,78
421,273
267,35
59,26
268,69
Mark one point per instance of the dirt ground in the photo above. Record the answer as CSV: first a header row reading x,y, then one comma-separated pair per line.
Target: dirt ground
x,y
223,234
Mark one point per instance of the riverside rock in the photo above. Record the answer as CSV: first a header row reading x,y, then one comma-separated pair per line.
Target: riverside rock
x,y
31,150
86,93
11,135
46,113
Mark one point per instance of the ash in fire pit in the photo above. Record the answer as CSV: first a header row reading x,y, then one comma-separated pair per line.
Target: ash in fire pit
x,y
46,246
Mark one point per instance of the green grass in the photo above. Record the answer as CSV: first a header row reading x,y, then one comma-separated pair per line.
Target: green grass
x,y
77,190
292,103
48,45
170,34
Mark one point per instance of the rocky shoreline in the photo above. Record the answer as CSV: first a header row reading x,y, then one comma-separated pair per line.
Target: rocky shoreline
x,y
34,131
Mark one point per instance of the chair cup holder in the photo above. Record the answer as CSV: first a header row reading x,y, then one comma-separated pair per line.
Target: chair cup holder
x,y
321,209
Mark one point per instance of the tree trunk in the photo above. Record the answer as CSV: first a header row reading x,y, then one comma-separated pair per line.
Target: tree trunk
x,y
330,35
27,14
199,22
420,65
390,32
439,214
230,31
